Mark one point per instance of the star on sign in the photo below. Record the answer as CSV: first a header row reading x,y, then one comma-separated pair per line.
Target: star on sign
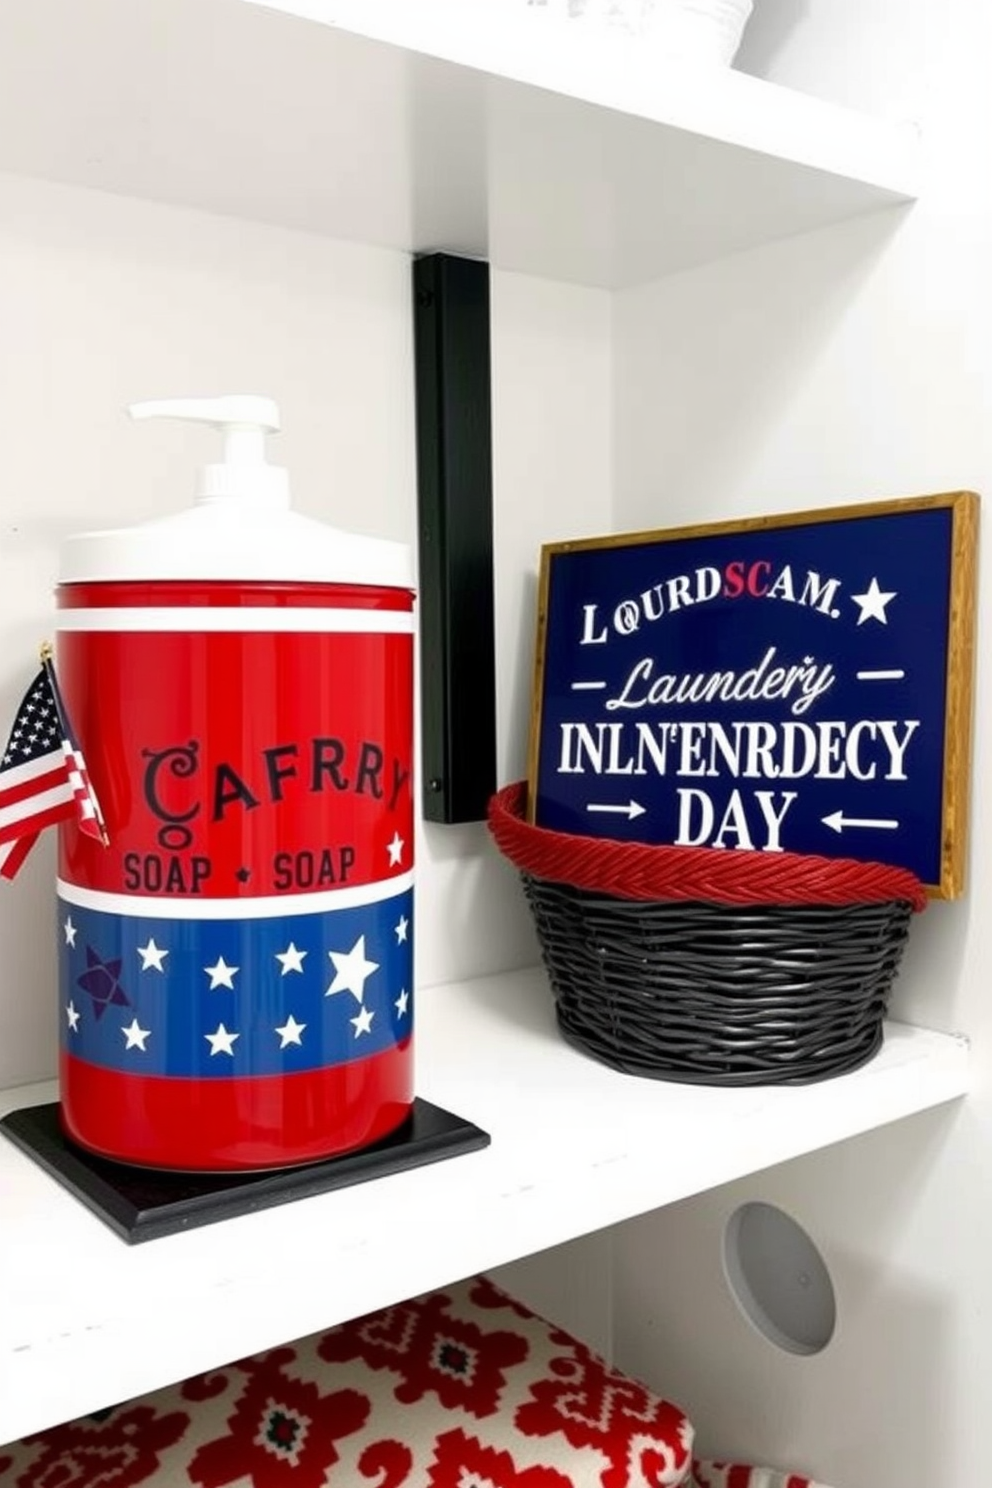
x,y
152,957
363,1023
872,603
395,850
221,1042
290,1032
70,931
72,1016
135,1036
401,929
221,975
402,1003
352,970
291,958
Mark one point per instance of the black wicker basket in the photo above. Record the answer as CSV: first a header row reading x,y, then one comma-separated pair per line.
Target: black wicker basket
x,y
706,981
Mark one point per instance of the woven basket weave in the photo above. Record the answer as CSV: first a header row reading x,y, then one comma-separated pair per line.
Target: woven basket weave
x,y
709,966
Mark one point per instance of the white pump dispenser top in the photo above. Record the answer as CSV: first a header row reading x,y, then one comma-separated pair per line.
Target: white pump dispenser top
x,y
241,526
244,420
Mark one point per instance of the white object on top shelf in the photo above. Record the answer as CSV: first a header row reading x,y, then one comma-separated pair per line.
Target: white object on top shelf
x,y
480,129
87,1321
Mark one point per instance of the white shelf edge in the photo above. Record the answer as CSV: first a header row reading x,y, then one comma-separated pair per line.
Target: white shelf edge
x,y
412,127
575,1148
619,74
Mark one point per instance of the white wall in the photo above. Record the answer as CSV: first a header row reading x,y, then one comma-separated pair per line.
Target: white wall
x,y
103,301
552,477
902,1393
849,364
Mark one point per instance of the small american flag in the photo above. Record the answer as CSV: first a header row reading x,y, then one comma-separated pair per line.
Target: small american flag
x,y
43,775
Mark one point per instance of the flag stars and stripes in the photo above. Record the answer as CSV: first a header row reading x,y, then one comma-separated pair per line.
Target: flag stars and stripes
x,y
352,970
43,777
221,975
291,1032
135,1035
402,1003
291,959
221,1041
401,928
72,1016
395,850
70,931
363,1022
152,956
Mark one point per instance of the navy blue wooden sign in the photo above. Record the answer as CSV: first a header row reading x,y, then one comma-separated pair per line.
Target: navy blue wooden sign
x,y
797,683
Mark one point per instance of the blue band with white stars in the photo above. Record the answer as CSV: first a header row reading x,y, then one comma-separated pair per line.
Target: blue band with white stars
x,y
215,998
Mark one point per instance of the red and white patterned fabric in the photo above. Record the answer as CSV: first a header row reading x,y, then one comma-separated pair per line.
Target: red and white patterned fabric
x,y
736,1475
461,1388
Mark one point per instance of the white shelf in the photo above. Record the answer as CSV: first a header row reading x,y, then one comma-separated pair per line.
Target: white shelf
x,y
87,1320
423,126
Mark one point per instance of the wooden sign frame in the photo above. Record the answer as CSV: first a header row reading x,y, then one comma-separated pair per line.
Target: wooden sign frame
x,y
893,788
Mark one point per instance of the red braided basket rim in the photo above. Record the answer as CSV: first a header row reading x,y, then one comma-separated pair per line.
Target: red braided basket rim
x,y
638,870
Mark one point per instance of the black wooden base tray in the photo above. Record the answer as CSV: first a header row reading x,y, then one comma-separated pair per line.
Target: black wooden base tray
x,y
144,1203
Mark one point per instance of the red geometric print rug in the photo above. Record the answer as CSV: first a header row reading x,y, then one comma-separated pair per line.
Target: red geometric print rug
x,y
461,1388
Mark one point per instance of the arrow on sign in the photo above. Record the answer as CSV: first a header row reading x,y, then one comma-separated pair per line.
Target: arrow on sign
x,y
838,821
632,809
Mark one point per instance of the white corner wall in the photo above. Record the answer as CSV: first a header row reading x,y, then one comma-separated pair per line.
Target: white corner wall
x,y
900,1396
849,364
105,300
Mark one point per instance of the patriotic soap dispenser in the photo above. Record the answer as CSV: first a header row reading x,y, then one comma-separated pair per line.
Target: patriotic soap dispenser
x,y
236,967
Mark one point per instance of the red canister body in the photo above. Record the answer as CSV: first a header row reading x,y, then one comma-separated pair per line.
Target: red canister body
x,y
236,968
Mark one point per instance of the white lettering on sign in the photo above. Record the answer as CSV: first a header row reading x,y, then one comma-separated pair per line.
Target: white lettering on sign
x,y
736,580
829,750
799,685
697,817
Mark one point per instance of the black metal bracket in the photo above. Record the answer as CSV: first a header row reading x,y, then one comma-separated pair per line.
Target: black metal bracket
x,y
455,505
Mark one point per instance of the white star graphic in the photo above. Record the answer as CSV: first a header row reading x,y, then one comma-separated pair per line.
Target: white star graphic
x,y
351,970
70,931
401,929
872,603
221,975
221,1042
290,1031
291,958
72,1016
363,1023
135,1036
152,956
402,1003
395,850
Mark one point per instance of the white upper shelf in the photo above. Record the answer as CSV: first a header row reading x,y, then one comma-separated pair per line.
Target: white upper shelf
x,y
87,1320
431,125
